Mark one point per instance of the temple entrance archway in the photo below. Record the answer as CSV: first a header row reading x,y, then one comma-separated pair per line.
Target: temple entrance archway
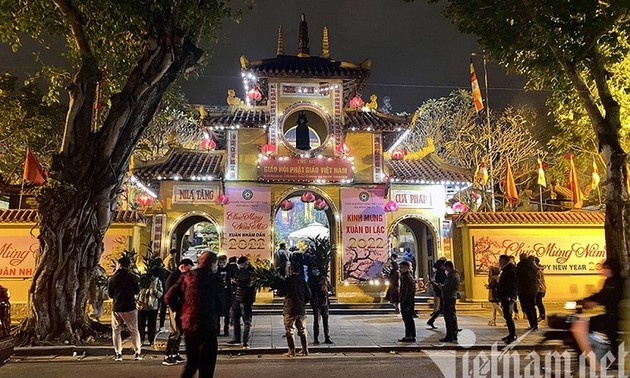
x,y
193,232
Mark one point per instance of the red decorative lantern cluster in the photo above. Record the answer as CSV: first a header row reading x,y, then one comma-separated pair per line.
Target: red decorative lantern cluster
x,y
254,94
144,199
268,149
208,144
398,154
308,197
321,205
343,149
356,103
222,199
286,205
390,206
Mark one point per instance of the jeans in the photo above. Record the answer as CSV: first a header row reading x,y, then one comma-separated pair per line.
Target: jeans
x,y
407,311
317,312
145,317
437,310
242,310
130,319
450,317
528,304
508,305
175,337
539,303
201,353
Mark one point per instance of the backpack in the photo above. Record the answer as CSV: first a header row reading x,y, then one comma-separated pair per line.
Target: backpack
x,y
144,300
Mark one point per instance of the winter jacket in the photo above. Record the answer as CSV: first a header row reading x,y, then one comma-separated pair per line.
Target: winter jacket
x,y
542,285
527,277
393,292
493,283
407,289
507,288
245,291
610,295
122,288
319,291
149,297
450,288
440,277
296,295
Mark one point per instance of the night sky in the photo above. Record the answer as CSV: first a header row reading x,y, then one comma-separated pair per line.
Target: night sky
x,y
416,53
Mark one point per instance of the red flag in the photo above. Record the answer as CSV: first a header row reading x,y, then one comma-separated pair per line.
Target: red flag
x,y
33,171
511,194
476,92
574,185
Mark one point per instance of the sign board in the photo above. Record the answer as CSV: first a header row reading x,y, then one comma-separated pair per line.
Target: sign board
x,y
247,221
287,168
158,222
195,194
364,233
413,199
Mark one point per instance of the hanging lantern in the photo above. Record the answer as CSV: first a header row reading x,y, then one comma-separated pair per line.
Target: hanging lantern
x,y
208,144
356,103
343,149
144,199
398,154
254,94
222,199
268,149
390,206
320,205
286,205
308,197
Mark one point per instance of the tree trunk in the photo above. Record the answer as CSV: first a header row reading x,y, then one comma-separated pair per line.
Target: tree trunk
x,y
617,223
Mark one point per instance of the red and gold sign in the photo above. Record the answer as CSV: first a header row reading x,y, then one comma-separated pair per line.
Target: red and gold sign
x,y
305,169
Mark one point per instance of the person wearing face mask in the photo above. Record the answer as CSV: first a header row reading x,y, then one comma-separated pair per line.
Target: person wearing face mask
x,y
243,301
320,303
224,272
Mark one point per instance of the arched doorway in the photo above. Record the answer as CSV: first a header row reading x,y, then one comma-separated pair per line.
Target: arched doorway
x,y
295,226
415,235
194,232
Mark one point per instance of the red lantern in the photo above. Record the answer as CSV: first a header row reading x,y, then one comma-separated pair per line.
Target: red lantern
x,y
343,149
321,205
308,197
254,94
286,205
144,199
390,206
208,144
356,103
222,199
398,154
268,149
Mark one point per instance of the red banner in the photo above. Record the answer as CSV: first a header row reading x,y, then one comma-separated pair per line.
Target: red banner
x,y
324,169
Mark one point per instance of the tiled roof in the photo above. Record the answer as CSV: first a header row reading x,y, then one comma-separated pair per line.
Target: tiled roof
x,y
427,170
30,216
375,121
237,117
550,217
307,67
181,164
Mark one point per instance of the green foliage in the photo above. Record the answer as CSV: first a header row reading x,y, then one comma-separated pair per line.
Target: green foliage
x,y
265,276
323,251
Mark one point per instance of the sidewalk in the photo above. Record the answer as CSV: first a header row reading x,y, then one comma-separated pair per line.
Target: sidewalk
x,y
350,333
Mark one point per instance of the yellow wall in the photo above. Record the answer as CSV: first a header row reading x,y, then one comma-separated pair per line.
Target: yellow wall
x,y
362,150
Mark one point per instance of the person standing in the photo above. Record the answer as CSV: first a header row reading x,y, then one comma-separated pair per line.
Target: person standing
x,y
224,272
318,285
244,299
542,289
148,302
507,290
203,302
280,260
493,297
527,280
407,302
163,276
439,279
296,294
393,291
450,293
98,292
410,257
172,260
171,355
122,288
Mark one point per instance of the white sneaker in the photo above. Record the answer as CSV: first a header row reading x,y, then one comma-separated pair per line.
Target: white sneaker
x,y
118,357
138,357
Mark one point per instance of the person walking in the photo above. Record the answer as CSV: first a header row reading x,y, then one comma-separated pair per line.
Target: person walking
x,y
122,288
203,302
407,302
393,291
439,279
506,291
318,285
527,280
224,272
243,300
493,297
296,294
542,289
280,260
171,354
450,293
148,302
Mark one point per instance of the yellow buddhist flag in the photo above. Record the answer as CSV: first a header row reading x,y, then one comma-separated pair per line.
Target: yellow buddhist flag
x,y
476,92
542,181
481,174
595,176
511,194
574,185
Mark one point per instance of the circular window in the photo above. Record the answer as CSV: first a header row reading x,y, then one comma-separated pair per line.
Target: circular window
x,y
305,130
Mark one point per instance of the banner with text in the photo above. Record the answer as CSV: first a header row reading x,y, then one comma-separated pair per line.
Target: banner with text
x,y
560,254
364,233
195,194
415,199
247,221
305,169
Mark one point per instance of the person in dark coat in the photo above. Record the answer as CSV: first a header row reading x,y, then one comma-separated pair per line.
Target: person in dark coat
x,y
407,302
280,260
542,290
224,272
507,290
527,278
203,303
162,275
450,290
393,291
296,295
122,289
171,354
244,298
318,285
439,279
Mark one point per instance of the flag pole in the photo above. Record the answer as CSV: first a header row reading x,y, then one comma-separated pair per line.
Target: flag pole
x,y
485,77
599,196
22,186
542,209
